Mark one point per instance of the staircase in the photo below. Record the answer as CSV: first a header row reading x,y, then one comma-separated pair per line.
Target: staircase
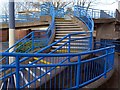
x,y
65,27
60,64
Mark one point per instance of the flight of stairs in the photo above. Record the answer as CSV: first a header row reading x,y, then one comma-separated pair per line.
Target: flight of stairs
x,y
64,27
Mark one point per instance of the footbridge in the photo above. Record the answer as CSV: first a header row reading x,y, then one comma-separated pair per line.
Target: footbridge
x,y
69,60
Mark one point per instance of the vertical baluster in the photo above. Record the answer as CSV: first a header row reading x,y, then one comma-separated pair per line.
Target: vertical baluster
x,y
33,41
17,73
78,77
105,65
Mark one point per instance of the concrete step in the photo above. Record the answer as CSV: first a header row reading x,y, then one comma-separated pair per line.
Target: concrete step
x,y
72,47
66,31
64,34
74,44
66,24
83,41
71,50
69,29
70,37
62,20
70,26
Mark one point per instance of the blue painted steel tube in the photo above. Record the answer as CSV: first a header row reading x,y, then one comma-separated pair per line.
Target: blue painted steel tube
x,y
69,46
91,40
78,72
33,40
17,73
105,66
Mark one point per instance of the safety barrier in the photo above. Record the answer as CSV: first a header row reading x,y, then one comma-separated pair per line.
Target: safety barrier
x,y
96,13
34,39
47,67
80,72
112,42
81,13
93,13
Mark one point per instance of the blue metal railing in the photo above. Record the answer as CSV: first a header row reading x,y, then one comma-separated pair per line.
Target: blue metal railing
x,y
112,42
79,72
81,13
47,67
34,39
96,13
60,13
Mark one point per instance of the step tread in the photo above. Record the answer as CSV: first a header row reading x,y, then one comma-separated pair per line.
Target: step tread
x,y
70,26
65,24
64,34
72,47
67,40
70,37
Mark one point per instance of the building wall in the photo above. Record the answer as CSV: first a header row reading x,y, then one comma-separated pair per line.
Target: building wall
x,y
3,35
107,31
19,33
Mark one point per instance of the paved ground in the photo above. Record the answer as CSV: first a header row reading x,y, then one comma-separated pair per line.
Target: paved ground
x,y
114,82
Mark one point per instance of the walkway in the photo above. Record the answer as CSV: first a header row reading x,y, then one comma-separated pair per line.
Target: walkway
x,y
114,81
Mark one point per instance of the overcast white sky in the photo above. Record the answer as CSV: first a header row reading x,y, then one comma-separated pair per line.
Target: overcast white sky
x,y
101,4
107,4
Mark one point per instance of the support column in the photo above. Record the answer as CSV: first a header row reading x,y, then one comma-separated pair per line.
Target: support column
x,y
11,27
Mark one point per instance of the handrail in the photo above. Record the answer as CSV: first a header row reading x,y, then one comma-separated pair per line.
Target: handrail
x,y
60,47
96,13
82,14
26,38
59,13
19,41
55,54
67,57
104,68
50,29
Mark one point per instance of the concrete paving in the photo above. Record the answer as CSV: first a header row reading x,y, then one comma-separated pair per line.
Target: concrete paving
x,y
114,81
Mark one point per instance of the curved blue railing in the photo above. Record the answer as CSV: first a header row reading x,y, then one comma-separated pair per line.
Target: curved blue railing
x,y
79,72
81,13
47,67
60,13
34,39
93,13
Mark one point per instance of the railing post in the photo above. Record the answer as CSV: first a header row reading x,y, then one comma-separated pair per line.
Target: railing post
x,y
91,40
112,57
33,40
69,43
78,77
105,66
69,46
17,73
